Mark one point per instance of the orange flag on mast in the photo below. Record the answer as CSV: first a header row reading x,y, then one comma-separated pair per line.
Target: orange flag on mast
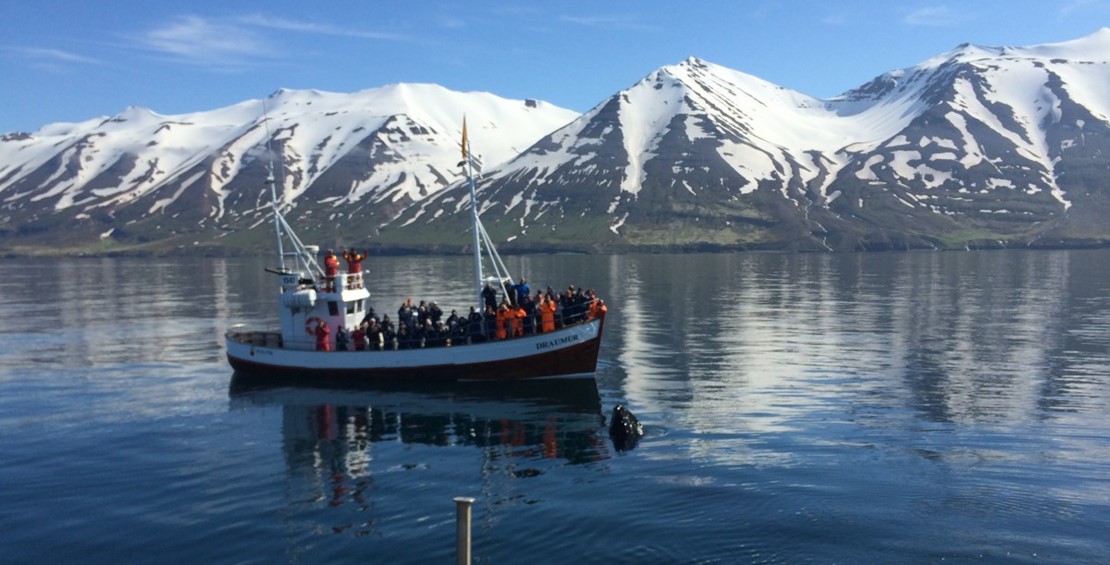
x,y
464,138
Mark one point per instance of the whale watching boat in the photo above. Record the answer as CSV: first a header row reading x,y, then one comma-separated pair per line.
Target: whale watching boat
x,y
313,303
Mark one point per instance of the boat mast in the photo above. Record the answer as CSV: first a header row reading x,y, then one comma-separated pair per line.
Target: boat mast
x,y
273,190
468,164
305,262
277,222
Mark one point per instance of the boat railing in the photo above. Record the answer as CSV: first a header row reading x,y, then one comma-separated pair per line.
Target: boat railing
x,y
487,332
340,281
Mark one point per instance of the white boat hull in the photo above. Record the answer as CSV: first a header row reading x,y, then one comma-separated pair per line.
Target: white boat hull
x,y
568,351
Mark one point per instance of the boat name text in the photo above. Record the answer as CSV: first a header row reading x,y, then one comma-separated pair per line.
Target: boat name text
x,y
557,342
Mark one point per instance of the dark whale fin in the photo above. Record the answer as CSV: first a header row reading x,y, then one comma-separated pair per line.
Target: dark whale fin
x,y
624,428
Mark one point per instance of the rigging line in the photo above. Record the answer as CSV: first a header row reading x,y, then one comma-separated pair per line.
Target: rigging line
x,y
494,256
501,271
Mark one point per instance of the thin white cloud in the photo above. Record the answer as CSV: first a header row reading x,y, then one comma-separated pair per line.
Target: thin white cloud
x,y
608,22
272,22
199,40
236,43
935,16
42,55
1084,6
449,22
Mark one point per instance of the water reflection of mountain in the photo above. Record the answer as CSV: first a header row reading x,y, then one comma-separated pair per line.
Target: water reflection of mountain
x,y
998,336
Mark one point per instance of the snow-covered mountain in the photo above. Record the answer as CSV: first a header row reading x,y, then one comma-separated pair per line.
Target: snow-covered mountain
x,y
977,146
140,176
981,146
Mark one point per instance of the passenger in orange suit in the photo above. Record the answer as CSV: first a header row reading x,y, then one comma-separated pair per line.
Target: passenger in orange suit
x,y
517,320
504,315
547,314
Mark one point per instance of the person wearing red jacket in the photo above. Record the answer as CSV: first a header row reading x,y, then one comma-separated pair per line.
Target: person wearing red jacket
x,y
354,267
322,333
360,339
331,269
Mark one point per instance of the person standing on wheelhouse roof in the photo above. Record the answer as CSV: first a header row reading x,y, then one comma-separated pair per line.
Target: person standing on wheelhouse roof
x,y
331,269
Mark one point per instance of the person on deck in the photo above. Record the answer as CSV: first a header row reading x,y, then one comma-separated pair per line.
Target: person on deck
x,y
474,326
370,315
354,267
331,269
517,320
490,323
522,290
359,337
547,314
322,332
389,335
422,314
530,313
597,306
341,339
504,315
404,338
566,306
405,316
489,296
374,336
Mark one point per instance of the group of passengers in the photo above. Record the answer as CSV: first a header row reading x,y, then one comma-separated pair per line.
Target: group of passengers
x,y
518,313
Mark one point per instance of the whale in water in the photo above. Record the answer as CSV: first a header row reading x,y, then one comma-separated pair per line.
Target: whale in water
x,y
624,428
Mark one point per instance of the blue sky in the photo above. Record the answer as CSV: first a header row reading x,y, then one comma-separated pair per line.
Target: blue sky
x,y
71,60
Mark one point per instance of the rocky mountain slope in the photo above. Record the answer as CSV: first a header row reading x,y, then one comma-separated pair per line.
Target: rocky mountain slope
x,y
975,147
980,146
143,180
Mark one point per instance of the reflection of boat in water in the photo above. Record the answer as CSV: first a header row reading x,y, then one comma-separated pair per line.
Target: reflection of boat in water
x,y
378,461
546,419
492,347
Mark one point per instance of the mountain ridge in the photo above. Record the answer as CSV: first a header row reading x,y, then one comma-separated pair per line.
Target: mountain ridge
x,y
979,146
845,167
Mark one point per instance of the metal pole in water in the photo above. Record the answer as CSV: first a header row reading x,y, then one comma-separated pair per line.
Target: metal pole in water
x,y
462,529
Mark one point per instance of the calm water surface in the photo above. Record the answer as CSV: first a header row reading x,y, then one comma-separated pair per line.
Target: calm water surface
x,y
919,407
